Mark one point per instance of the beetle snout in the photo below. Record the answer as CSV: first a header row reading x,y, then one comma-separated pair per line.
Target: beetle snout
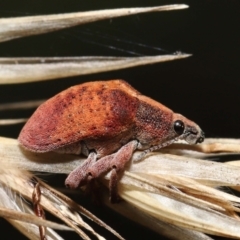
x,y
193,134
201,138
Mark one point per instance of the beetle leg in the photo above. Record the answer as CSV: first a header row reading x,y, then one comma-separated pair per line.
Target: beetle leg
x,y
115,162
79,175
113,186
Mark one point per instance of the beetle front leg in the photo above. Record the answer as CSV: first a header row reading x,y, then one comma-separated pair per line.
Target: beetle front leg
x,y
115,162
79,175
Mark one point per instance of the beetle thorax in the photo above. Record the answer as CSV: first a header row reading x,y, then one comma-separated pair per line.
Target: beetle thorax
x,y
153,124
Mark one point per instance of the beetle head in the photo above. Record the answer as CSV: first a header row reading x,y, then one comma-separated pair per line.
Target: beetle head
x,y
179,128
187,130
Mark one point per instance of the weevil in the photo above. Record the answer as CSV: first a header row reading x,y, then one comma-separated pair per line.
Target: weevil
x,y
106,121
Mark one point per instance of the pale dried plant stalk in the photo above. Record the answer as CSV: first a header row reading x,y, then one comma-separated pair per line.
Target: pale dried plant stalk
x,y
11,28
12,121
20,70
173,190
20,105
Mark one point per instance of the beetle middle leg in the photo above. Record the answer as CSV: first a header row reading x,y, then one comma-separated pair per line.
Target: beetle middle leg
x,y
116,163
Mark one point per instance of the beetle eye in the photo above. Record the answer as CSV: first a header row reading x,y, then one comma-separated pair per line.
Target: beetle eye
x,y
179,127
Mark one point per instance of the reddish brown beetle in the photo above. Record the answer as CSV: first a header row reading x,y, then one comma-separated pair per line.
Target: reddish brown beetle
x,y
106,121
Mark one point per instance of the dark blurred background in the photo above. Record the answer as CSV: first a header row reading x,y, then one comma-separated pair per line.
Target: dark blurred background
x,y
204,87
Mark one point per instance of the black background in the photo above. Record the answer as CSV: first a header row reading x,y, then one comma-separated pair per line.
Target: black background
x,y
204,87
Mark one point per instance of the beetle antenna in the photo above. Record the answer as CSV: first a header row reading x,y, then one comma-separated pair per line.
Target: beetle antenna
x,y
157,147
